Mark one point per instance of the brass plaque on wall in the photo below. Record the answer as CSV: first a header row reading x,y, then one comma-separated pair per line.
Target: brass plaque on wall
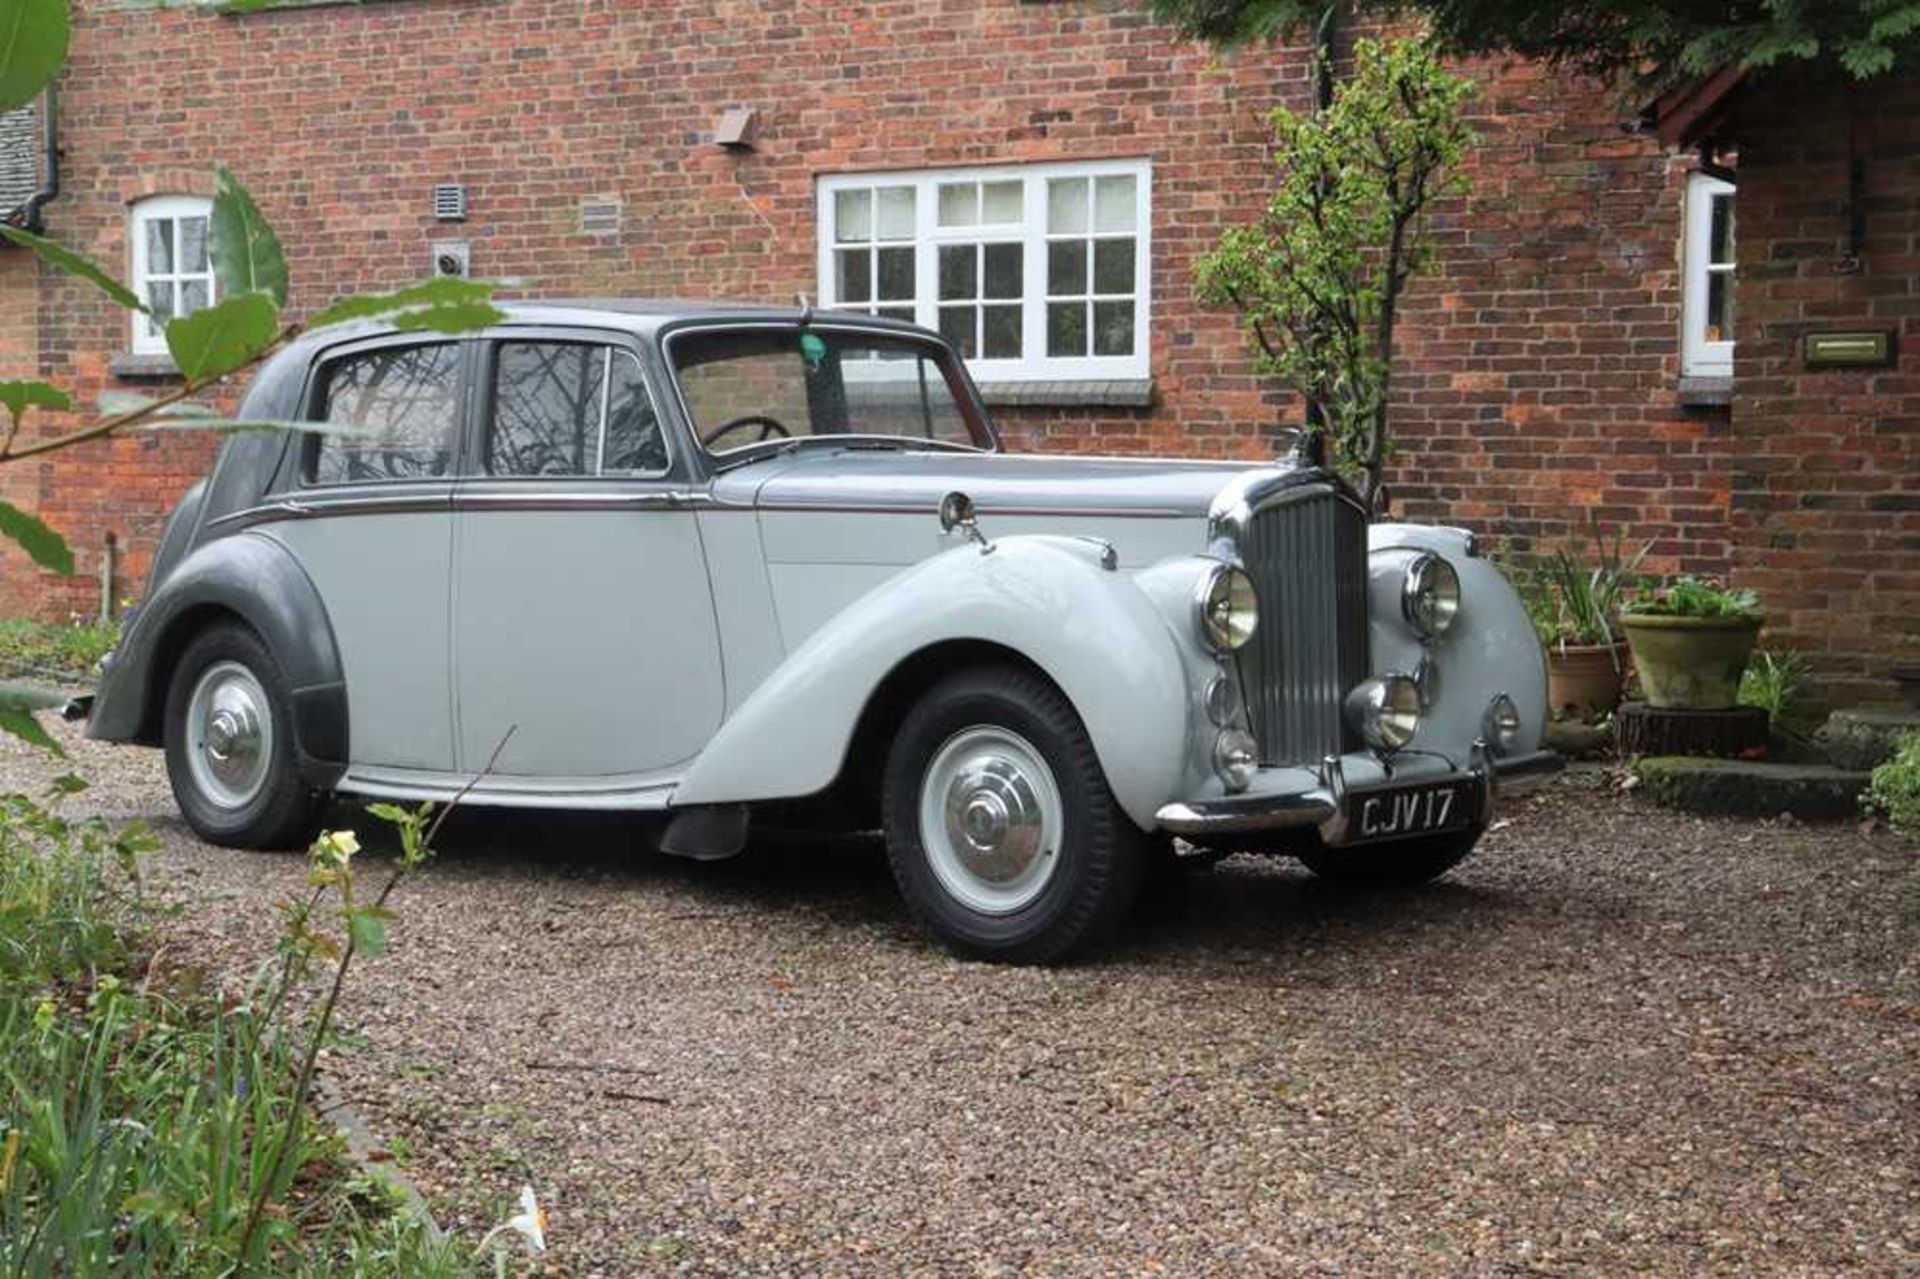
x,y
1860,349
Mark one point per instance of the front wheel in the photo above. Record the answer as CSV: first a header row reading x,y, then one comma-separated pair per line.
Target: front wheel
x,y
1400,863
1001,831
230,749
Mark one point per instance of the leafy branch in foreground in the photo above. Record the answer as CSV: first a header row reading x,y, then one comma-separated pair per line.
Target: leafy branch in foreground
x,y
208,345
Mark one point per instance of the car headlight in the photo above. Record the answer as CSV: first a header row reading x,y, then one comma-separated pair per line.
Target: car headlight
x,y
1385,711
1502,724
1229,609
1431,596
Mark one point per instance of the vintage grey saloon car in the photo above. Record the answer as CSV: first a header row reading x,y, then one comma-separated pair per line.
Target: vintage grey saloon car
x,y
704,560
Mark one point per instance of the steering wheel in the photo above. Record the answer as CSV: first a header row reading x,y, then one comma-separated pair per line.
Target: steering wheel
x,y
769,428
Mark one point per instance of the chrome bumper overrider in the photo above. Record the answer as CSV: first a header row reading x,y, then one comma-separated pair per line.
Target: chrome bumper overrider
x,y
1318,803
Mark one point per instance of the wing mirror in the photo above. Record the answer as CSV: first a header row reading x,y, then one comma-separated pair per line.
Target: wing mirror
x,y
956,512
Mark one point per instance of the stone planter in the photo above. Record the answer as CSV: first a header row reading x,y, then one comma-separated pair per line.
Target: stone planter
x,y
1690,662
1586,677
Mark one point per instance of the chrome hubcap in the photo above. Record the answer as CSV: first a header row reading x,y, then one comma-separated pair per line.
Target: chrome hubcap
x,y
991,819
229,735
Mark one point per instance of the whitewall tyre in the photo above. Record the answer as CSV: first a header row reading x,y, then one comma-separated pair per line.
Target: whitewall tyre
x,y
1001,831
230,751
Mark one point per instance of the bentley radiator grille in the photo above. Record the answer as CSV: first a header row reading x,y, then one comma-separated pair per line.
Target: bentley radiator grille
x,y
1308,560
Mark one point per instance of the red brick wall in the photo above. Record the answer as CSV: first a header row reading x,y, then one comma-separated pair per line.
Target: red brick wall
x,y
1826,482
1540,369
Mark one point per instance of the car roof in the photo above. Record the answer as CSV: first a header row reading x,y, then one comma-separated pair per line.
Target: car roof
x,y
645,317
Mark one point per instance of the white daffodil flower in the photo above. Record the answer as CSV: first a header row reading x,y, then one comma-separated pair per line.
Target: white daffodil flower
x,y
530,1223
337,846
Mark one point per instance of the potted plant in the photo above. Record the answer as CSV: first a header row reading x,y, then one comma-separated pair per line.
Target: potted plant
x,y
1691,642
1574,611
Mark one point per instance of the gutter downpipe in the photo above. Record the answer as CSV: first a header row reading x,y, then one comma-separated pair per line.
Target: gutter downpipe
x,y
27,216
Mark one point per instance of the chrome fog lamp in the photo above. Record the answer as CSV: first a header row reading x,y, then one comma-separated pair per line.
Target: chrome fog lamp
x,y
1431,595
1385,711
1501,725
1236,757
1223,701
1229,609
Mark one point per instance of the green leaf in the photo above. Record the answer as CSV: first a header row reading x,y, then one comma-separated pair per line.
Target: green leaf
x,y
368,931
18,395
43,546
67,784
221,338
18,702
25,697
121,403
33,48
24,726
462,318
228,426
72,263
446,291
246,253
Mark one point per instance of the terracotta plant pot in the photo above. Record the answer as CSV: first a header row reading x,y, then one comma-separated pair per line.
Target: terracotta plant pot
x,y
1586,677
1690,663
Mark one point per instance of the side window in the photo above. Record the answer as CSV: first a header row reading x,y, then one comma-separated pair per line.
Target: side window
x,y
548,398
633,440
404,406
569,408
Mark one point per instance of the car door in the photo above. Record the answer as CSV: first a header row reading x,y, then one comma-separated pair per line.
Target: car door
x,y
582,617
375,533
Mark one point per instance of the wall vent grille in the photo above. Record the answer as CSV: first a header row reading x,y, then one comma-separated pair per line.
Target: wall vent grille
x,y
450,202
600,217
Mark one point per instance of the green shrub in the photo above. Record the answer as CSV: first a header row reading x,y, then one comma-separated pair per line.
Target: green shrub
x,y
48,650
1776,682
150,1127
1894,792
1691,597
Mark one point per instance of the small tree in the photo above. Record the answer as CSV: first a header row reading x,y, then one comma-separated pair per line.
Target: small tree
x,y
1319,278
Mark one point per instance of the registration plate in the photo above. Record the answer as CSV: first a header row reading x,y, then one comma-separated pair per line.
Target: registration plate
x,y
1408,810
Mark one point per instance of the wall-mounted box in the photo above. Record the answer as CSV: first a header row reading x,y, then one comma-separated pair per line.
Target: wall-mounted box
x,y
1858,349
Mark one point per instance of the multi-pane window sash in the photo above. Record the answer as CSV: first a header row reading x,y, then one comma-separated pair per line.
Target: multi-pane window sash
x,y
172,269
1707,289
1034,272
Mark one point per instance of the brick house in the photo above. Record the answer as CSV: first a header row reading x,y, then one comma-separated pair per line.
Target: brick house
x,y
1037,180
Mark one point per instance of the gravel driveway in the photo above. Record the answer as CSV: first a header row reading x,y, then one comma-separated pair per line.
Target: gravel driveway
x,y
1616,1039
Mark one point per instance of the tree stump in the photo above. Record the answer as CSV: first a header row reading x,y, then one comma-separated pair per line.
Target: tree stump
x,y
1736,733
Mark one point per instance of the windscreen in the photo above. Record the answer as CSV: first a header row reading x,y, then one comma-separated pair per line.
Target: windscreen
x,y
746,386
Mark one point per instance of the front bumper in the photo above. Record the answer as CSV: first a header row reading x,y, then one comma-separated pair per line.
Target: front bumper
x,y
1285,798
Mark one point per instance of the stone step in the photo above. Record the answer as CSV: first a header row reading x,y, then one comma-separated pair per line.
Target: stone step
x,y
1867,737
1750,788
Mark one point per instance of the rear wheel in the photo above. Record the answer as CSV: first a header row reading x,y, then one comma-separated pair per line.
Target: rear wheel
x,y
1001,831
230,749
1400,863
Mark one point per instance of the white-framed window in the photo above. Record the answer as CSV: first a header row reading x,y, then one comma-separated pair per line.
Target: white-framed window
x,y
1034,271
1706,295
172,269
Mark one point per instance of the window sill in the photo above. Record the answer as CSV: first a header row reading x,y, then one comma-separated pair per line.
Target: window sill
x,y
1120,393
1706,392
140,365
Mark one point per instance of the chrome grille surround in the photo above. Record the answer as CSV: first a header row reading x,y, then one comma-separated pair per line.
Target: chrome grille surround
x,y
1302,536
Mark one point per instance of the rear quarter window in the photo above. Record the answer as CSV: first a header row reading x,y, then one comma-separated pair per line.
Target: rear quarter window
x,y
403,406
